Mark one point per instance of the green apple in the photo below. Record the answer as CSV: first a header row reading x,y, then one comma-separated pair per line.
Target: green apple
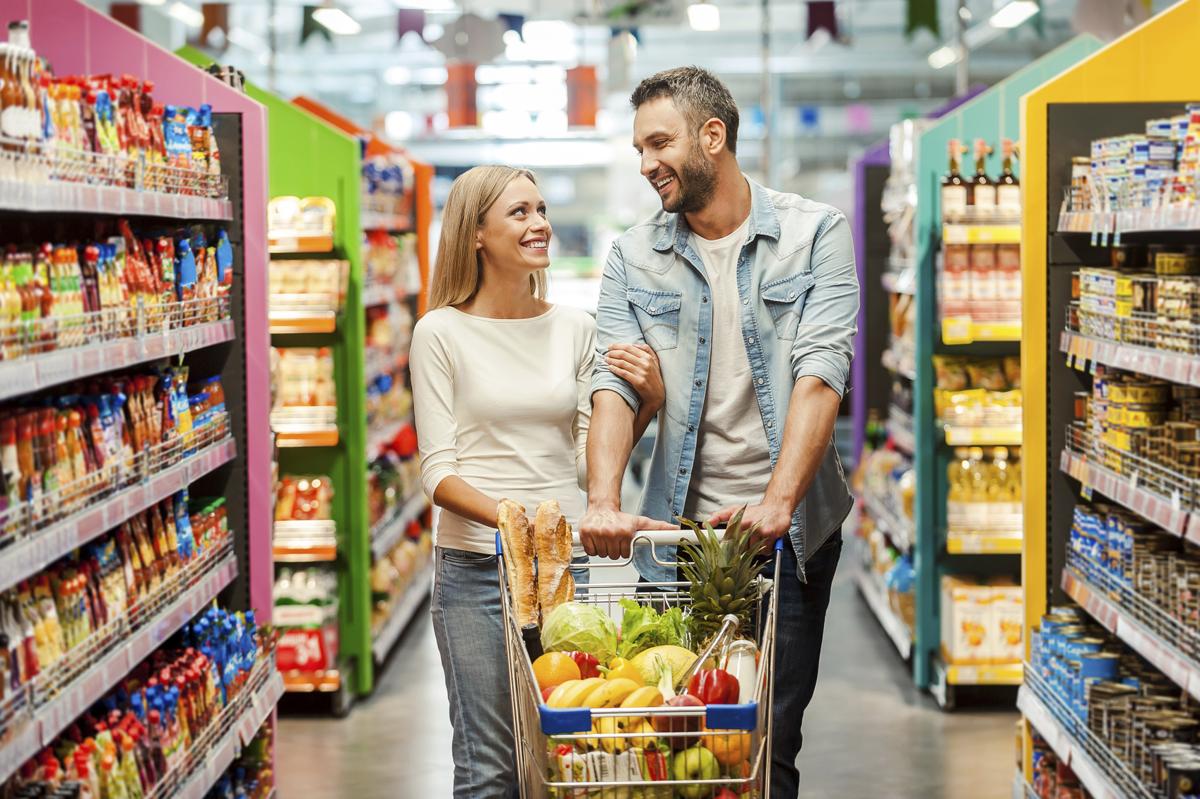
x,y
693,764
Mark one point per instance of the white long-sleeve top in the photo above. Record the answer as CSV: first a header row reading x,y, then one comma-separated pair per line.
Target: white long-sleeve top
x,y
505,405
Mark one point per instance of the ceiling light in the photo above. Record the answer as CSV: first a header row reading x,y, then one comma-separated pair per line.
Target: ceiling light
x,y
152,2
337,21
944,56
186,14
397,76
1013,14
704,16
432,32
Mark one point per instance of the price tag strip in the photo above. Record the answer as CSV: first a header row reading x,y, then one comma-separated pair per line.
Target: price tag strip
x,y
1171,366
33,553
1166,658
1167,513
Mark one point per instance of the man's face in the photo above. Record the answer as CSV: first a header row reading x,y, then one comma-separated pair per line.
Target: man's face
x,y
674,162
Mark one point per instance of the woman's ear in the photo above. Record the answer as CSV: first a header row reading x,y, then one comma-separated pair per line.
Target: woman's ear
x,y
479,238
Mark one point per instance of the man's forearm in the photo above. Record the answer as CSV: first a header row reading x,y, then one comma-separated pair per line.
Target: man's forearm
x,y
812,412
610,440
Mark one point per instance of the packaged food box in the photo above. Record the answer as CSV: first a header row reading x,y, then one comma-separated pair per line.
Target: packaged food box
x,y
967,628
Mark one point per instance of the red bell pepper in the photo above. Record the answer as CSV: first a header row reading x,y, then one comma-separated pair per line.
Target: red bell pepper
x,y
714,687
588,665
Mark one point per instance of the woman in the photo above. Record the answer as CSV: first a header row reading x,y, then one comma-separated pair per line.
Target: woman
x,y
501,388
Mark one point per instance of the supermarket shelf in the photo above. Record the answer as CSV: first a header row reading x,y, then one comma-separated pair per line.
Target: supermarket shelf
x,y
900,282
285,322
1172,219
1181,669
1126,492
305,541
380,437
307,682
386,534
289,435
1173,366
964,330
981,234
81,693
898,529
298,553
962,542
292,243
1022,789
985,674
1069,749
900,428
998,436
393,223
893,364
77,198
235,728
378,293
877,601
418,590
27,375
29,555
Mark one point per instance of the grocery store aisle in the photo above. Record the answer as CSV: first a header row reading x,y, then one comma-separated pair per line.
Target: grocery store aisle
x,y
869,732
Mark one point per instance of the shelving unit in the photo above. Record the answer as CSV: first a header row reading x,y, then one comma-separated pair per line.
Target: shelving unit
x,y
1141,76
223,461
872,592
991,115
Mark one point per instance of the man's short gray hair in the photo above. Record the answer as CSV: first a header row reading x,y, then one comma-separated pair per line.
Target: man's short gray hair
x,y
697,93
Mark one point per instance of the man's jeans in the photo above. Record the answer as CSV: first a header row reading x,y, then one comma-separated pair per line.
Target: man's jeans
x,y
800,626
469,628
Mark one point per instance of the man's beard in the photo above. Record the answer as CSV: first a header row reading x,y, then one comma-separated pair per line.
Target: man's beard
x,y
697,184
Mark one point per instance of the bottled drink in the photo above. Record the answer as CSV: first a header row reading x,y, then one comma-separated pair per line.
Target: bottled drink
x,y
1008,187
981,193
954,187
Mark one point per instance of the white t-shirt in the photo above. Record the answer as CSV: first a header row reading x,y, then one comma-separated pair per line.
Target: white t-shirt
x,y
505,405
733,460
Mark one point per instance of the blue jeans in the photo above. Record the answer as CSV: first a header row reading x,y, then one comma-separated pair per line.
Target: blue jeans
x,y
469,628
800,627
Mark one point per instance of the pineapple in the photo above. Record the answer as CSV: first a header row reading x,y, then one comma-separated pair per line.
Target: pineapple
x,y
723,573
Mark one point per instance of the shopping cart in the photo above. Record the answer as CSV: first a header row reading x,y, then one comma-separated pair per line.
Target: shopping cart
x,y
574,753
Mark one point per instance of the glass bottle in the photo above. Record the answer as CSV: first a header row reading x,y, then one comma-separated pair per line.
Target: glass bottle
x,y
981,193
1008,186
954,187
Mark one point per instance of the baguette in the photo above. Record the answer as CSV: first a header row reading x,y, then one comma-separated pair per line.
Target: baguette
x,y
517,539
552,535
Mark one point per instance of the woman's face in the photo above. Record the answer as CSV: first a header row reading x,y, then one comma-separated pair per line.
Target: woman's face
x,y
515,234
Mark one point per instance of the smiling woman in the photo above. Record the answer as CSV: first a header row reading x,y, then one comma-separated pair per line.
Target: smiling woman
x,y
502,396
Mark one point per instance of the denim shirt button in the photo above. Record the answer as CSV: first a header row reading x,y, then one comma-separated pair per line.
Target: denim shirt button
x,y
701,382
704,299
691,428
683,471
750,340
703,339
745,302
791,296
761,380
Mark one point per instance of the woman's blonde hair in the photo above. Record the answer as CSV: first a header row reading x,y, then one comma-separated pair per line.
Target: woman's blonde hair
x,y
457,272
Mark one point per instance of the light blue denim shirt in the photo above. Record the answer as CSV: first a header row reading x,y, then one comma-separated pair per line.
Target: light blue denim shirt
x,y
799,293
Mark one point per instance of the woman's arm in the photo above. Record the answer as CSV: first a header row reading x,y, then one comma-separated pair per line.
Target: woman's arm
x,y
638,365
437,429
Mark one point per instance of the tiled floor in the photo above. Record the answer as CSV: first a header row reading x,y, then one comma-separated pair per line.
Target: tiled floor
x,y
868,734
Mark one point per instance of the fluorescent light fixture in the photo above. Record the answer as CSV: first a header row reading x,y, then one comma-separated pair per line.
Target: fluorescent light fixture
x,y
704,16
337,21
152,2
1013,14
247,40
399,125
397,76
944,56
186,14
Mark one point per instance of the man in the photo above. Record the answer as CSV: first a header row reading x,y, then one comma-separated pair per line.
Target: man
x,y
748,298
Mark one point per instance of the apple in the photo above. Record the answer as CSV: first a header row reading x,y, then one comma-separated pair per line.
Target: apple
x,y
695,764
725,793
664,725
549,689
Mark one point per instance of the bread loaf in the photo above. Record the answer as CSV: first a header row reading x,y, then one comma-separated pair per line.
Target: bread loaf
x,y
517,539
552,535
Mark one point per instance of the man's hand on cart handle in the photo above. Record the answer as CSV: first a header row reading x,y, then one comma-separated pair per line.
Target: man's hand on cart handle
x,y
773,519
608,532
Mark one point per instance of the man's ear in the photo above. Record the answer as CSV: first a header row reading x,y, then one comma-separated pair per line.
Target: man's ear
x,y
713,135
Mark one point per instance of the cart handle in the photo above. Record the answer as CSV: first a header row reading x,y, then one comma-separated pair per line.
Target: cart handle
x,y
666,538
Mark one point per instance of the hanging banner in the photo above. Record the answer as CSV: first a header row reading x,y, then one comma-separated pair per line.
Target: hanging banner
x,y
216,18
410,20
582,96
461,111
128,14
513,22
922,14
822,16
309,26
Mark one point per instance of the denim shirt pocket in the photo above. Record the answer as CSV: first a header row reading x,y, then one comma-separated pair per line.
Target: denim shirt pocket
x,y
657,314
785,300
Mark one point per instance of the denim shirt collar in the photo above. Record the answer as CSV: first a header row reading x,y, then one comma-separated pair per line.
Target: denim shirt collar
x,y
764,221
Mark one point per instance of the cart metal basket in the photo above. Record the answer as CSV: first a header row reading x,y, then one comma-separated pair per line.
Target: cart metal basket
x,y
665,752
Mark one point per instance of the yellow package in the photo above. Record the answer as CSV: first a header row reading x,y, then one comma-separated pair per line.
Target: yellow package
x,y
967,626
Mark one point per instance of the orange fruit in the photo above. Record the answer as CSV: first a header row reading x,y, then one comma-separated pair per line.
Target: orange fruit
x,y
729,746
554,668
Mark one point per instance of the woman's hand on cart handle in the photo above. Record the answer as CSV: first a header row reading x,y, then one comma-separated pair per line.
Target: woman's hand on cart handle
x,y
608,533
